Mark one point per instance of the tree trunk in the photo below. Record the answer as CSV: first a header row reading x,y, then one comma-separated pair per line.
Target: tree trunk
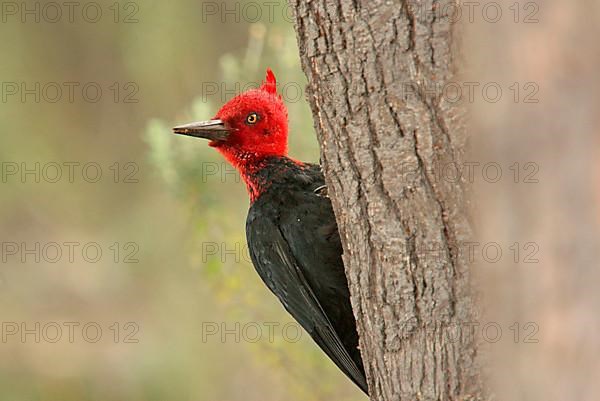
x,y
374,69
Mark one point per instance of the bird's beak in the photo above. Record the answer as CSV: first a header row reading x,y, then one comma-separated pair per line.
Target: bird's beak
x,y
213,130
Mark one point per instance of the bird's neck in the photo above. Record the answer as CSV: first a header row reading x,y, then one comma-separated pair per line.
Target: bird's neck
x,y
255,169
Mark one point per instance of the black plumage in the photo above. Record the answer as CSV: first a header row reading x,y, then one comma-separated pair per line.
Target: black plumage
x,y
295,247
292,233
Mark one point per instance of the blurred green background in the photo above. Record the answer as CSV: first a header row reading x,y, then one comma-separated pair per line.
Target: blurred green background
x,y
167,214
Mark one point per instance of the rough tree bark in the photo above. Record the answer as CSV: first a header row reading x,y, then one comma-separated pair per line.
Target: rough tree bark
x,y
375,69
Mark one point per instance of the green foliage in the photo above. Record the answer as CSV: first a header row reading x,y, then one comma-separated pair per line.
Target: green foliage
x,y
174,210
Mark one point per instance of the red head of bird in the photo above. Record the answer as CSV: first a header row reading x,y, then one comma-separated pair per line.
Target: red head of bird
x,y
248,128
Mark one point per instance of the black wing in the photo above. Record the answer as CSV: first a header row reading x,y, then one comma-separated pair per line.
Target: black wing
x,y
292,274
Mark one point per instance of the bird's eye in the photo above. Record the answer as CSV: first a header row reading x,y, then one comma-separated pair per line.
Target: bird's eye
x,y
252,119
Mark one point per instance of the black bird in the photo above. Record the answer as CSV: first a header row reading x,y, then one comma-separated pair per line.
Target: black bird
x,y
291,229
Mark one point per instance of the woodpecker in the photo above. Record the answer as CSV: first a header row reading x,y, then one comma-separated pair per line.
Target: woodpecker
x,y
291,229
